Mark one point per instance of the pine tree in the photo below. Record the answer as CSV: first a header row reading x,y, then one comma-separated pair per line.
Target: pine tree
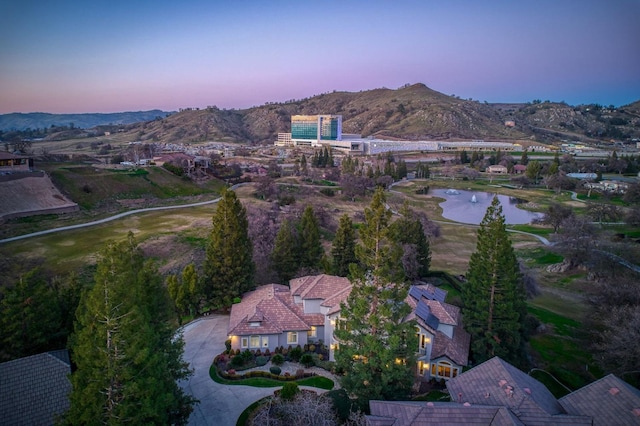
x,y
185,291
344,245
285,255
376,347
229,268
303,165
524,159
127,356
311,250
494,295
409,232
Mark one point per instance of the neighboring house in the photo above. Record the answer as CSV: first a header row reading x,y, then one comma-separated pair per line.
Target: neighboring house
x,y
308,310
443,345
497,393
11,163
609,401
276,315
34,390
497,169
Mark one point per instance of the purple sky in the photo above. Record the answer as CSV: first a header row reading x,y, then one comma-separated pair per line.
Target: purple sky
x,y
72,56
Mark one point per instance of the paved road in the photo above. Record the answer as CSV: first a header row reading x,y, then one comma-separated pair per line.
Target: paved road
x,y
220,405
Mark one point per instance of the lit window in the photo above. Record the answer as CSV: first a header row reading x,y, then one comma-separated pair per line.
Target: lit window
x,y
255,342
265,341
245,342
292,337
312,332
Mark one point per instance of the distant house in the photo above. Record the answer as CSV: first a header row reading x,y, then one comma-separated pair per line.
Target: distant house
x,y
519,169
10,163
497,393
308,310
497,169
34,390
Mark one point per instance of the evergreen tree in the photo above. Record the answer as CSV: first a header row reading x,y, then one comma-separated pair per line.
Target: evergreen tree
x,y
464,157
376,348
330,160
127,356
185,292
494,295
344,245
474,158
402,169
285,256
409,232
303,165
229,268
524,159
311,250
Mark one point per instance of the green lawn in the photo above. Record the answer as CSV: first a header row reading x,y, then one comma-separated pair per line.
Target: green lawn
x,y
320,382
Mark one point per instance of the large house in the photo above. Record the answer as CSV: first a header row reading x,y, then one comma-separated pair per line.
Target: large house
x,y
308,309
11,163
497,393
276,315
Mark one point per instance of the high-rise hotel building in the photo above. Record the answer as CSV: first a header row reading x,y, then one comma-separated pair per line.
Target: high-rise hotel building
x,y
311,130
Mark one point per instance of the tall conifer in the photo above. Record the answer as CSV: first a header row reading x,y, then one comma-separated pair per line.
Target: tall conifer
x,y
494,295
229,268
343,250
285,256
311,250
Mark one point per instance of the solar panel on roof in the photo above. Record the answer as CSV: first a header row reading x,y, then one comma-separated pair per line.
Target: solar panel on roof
x,y
424,313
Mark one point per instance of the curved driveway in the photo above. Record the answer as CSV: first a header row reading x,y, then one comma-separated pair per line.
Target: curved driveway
x,y
220,405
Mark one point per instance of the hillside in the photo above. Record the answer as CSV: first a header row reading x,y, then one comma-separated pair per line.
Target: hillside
x,y
412,112
38,120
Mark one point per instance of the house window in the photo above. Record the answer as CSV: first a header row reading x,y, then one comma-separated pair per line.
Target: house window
x,y
265,341
254,342
244,342
444,369
422,367
292,337
313,332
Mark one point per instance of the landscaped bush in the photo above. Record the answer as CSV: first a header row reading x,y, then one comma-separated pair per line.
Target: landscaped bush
x,y
261,360
277,359
312,348
295,354
307,360
227,344
289,391
274,369
237,361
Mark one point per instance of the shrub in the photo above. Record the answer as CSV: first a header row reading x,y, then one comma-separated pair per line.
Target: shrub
x,y
236,300
227,344
274,369
261,360
247,355
277,359
328,192
289,391
267,352
231,372
237,361
312,348
295,354
258,352
321,357
307,360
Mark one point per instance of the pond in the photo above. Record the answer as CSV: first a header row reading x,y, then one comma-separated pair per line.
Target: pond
x,y
471,206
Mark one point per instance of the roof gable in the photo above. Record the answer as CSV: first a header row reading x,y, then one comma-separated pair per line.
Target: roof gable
x,y
608,400
318,286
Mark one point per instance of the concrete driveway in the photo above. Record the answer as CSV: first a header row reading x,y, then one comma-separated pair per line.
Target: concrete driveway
x,y
220,405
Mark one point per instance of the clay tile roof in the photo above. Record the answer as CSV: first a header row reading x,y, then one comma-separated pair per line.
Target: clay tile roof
x,y
456,349
34,389
411,413
272,307
606,407
498,383
446,313
318,286
333,303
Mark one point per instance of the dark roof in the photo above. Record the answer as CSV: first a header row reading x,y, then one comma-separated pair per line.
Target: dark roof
x,y
34,389
411,413
498,383
610,401
9,156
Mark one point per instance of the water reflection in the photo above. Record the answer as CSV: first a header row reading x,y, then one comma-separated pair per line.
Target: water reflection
x,y
471,206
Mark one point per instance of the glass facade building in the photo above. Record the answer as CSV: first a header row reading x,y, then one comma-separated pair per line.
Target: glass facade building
x,y
316,127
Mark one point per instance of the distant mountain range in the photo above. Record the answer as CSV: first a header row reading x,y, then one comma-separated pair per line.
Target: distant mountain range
x,y
38,120
412,112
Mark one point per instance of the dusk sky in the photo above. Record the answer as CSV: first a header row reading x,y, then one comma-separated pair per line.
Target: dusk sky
x,y
109,56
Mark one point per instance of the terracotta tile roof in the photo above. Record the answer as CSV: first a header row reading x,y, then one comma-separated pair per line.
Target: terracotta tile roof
x,y
446,313
333,303
272,307
610,401
34,389
456,349
410,413
498,383
318,286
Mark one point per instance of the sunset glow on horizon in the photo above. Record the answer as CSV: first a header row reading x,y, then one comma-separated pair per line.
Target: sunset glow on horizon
x,y
73,57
